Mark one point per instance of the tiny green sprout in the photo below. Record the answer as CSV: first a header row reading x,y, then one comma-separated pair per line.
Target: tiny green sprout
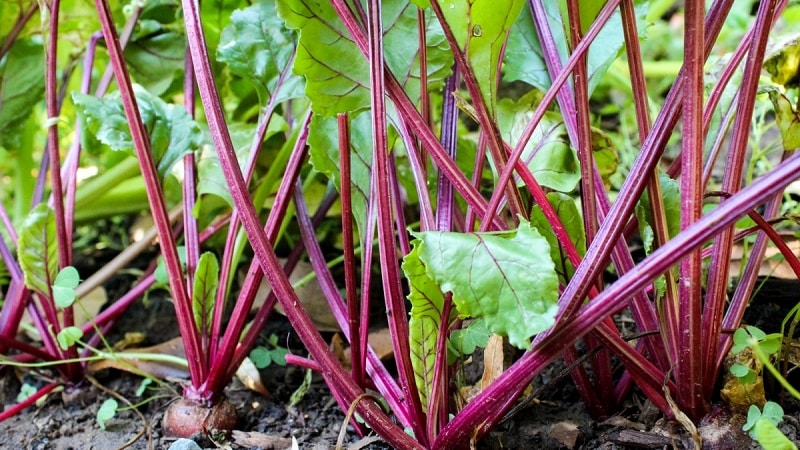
x,y
143,386
64,286
106,412
745,374
751,336
25,391
298,395
763,427
68,337
263,357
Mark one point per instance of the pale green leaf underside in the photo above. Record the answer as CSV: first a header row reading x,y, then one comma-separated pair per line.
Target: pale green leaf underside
x,y
426,317
570,217
509,281
38,249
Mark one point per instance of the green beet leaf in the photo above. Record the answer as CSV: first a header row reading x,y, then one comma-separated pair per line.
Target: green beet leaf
x,y
206,280
524,60
323,138
21,88
64,286
547,154
38,249
426,320
257,46
508,279
173,133
337,73
481,27
567,211
155,54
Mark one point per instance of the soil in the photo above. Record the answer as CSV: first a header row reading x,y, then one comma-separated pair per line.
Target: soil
x,y
556,419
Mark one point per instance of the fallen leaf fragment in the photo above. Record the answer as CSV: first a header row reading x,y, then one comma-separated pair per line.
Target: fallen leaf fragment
x,y
566,433
492,361
260,440
158,369
248,374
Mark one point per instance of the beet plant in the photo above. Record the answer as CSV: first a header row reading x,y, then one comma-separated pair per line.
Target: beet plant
x,y
489,214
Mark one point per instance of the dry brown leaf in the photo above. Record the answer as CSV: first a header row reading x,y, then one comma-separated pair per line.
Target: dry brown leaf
x,y
773,265
492,360
248,374
310,295
260,440
381,342
737,395
158,369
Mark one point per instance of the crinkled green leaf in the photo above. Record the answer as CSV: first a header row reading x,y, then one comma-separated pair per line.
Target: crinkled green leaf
x,y
68,337
507,279
106,412
256,45
21,88
323,138
173,133
567,211
64,286
337,73
206,280
548,154
481,27
524,60
38,249
298,395
426,320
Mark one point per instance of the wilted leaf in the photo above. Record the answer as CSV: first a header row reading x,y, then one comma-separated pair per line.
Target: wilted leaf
x,y
426,320
783,63
336,72
256,45
38,249
787,118
173,133
260,440
21,88
206,280
506,278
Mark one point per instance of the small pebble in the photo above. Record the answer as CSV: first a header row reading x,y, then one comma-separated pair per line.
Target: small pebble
x,y
184,444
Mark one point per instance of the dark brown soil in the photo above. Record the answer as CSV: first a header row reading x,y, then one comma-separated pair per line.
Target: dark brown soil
x,y
557,419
